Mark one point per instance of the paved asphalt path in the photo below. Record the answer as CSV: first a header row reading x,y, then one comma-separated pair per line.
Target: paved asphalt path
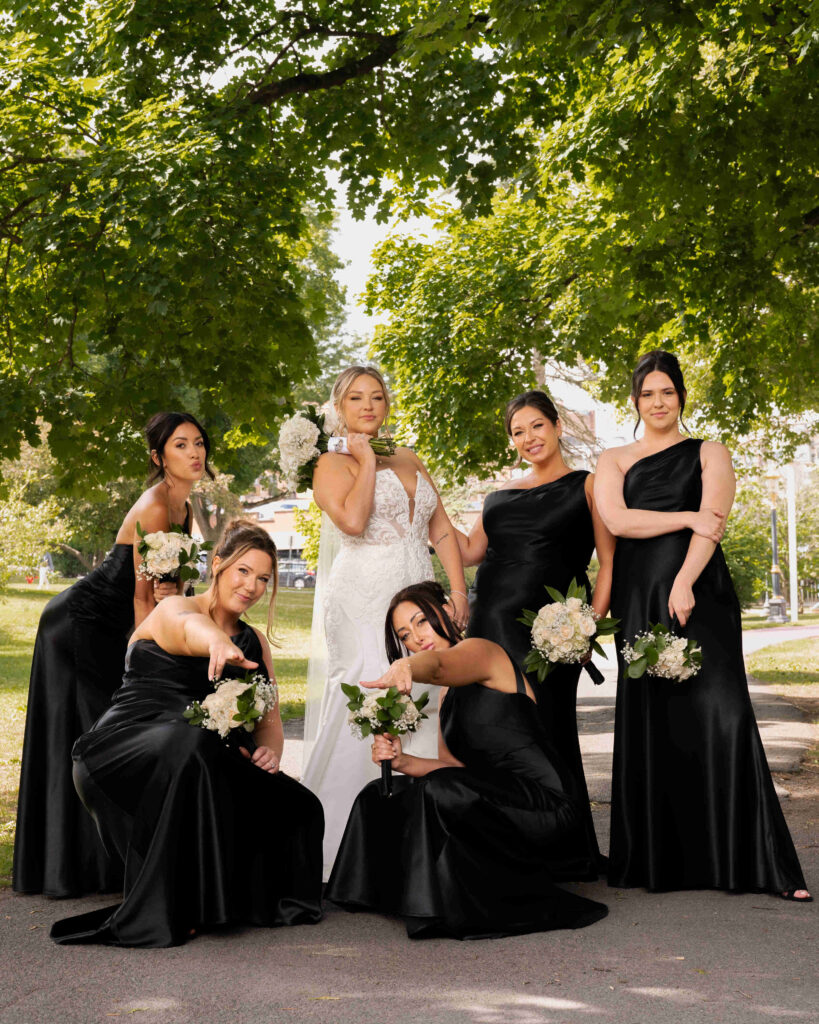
x,y
664,958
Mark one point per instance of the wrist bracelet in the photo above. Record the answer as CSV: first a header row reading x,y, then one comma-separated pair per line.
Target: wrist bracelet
x,y
462,594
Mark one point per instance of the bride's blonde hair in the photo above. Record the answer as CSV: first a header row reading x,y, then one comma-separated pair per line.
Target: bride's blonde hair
x,y
344,381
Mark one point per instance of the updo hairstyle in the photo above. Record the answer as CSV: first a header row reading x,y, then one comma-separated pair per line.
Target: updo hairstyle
x,y
239,537
537,400
430,598
158,431
664,362
342,385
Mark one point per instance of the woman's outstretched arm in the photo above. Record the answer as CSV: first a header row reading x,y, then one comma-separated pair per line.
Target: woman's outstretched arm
x,y
471,661
178,626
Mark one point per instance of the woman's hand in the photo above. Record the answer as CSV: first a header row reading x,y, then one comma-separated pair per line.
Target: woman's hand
x,y
388,748
398,675
223,652
681,600
264,758
460,609
163,590
358,445
709,523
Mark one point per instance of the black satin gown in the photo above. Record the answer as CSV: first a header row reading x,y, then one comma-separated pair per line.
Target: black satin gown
x,y
78,660
693,803
537,537
466,852
207,838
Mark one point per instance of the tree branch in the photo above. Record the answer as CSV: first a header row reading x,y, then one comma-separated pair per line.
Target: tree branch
x,y
315,81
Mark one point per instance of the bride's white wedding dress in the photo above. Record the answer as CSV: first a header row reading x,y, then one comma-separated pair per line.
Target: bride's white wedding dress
x,y
368,571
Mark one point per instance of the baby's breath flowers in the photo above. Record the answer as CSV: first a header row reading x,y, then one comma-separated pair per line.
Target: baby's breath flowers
x,y
564,631
659,652
234,704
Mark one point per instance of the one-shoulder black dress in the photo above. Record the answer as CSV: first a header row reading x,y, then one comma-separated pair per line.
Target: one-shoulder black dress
x,y
466,852
78,660
693,803
538,537
207,838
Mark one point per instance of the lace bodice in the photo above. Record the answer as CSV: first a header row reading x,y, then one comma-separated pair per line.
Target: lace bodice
x,y
391,553
393,520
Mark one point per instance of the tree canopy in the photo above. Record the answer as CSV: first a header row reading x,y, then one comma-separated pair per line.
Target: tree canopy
x,y
675,203
158,164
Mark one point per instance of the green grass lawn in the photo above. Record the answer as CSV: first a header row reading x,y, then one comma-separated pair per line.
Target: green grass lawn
x,y
20,608
795,662
760,622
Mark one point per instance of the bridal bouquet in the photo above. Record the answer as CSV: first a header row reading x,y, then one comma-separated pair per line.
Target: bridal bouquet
x,y
564,631
169,556
383,712
659,652
234,704
303,438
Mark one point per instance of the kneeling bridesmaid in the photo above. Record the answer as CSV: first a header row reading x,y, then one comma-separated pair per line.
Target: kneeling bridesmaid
x,y
469,842
209,834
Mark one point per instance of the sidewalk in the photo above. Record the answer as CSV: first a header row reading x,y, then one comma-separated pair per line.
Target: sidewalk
x,y
664,958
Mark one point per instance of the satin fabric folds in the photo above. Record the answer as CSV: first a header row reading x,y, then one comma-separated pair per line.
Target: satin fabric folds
x,y
693,803
465,852
207,838
78,661
537,537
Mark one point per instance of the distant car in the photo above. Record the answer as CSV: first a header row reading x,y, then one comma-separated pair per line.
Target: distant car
x,y
293,572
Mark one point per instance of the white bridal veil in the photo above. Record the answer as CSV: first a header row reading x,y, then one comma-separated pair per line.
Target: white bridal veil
x,y
329,543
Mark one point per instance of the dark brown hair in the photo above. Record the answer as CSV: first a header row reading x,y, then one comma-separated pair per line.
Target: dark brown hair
x,y
238,537
430,598
661,361
158,431
537,400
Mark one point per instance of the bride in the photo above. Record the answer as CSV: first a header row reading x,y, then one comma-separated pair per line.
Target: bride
x,y
387,511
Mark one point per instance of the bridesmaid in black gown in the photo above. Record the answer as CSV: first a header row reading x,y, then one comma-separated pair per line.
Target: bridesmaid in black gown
x,y
539,530
463,848
693,803
77,664
209,834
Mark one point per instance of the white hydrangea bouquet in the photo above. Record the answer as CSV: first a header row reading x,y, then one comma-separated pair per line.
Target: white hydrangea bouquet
x,y
383,712
303,437
169,556
564,631
234,704
662,653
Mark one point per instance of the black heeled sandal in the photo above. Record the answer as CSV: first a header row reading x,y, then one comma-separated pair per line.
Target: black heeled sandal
x,y
790,894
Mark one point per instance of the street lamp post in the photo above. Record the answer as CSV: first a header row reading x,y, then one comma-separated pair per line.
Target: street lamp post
x,y
776,602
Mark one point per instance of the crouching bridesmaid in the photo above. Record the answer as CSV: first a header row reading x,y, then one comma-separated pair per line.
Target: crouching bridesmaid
x,y
469,842
210,834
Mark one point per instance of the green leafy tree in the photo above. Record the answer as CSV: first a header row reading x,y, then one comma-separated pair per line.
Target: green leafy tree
x,y
673,201
308,523
158,174
747,542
